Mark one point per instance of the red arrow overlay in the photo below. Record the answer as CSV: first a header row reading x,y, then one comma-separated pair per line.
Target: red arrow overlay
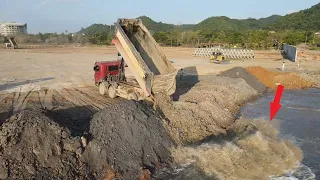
x,y
275,105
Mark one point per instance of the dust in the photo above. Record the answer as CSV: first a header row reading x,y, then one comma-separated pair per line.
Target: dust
x,y
250,150
128,136
272,79
207,109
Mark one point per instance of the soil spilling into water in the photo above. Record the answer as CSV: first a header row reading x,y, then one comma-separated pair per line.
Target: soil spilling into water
x,y
207,109
250,150
272,79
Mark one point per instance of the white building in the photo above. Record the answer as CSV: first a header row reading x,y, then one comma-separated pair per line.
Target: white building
x,y
10,28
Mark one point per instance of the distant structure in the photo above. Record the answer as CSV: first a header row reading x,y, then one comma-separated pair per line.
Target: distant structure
x,y
11,28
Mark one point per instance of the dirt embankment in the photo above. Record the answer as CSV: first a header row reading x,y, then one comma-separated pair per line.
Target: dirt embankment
x,y
123,140
34,146
239,72
207,109
272,79
129,137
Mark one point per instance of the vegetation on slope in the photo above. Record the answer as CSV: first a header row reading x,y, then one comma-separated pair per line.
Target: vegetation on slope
x,y
303,20
261,33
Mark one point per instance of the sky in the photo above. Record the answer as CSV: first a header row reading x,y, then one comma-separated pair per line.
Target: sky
x,y
61,15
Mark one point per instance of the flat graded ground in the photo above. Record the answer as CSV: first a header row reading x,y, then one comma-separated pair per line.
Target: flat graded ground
x,y
47,74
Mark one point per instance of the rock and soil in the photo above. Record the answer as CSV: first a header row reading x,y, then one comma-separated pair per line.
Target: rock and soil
x,y
207,109
130,137
273,79
240,72
34,146
126,140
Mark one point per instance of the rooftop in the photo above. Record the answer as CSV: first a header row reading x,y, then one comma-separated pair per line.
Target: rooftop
x,y
12,23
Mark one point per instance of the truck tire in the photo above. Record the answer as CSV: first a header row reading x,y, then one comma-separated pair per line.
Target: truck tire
x,y
102,89
112,92
132,96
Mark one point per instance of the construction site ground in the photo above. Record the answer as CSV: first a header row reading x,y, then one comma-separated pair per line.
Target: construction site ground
x,y
61,80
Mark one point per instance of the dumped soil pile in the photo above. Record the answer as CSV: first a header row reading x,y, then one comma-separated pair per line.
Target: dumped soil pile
x,y
271,79
251,150
207,109
34,146
128,141
240,72
128,136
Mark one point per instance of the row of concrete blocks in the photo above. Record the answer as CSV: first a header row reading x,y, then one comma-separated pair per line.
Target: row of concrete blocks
x,y
228,53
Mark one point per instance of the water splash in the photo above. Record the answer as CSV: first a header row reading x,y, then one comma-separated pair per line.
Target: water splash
x,y
251,150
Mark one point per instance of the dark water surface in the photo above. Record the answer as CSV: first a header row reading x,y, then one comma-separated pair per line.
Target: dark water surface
x,y
298,120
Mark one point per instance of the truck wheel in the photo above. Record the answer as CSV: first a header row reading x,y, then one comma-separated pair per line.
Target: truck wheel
x,y
102,89
132,96
112,92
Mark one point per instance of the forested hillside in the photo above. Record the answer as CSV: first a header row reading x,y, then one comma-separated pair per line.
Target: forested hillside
x,y
261,33
308,19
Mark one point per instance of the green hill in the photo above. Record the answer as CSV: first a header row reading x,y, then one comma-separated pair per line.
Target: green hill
x,y
253,33
308,19
156,26
303,20
96,29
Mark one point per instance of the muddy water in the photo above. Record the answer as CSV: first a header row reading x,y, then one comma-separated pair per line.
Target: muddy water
x,y
297,120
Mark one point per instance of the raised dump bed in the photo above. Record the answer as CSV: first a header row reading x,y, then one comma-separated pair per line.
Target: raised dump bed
x,y
150,67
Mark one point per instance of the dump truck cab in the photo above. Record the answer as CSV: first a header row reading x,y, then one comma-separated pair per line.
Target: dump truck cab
x,y
107,71
110,78
107,76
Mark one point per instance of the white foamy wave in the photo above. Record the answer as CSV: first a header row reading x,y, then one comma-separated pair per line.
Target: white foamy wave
x,y
301,173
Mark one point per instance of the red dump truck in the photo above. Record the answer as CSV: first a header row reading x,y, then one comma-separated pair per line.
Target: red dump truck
x,y
152,71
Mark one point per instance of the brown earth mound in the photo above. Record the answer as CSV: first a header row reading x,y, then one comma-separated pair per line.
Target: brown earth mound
x,y
126,139
272,79
240,72
251,150
34,146
128,136
207,109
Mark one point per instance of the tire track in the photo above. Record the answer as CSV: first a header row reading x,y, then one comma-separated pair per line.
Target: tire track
x,y
69,95
3,97
45,97
19,99
84,97
94,94
6,106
